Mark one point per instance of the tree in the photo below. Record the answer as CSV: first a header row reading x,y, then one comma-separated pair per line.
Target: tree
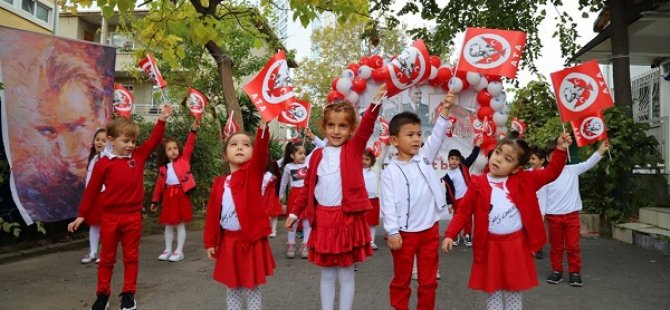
x,y
535,104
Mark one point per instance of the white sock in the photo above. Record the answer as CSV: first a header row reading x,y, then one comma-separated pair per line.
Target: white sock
x,y
291,234
513,300
234,299
414,268
494,301
93,240
347,286
254,300
306,229
181,237
169,236
273,223
373,230
328,277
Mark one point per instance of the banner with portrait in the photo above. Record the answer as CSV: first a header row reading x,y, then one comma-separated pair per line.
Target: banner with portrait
x,y
56,93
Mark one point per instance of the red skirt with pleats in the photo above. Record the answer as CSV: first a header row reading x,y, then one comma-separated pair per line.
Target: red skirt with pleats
x,y
338,238
176,206
242,264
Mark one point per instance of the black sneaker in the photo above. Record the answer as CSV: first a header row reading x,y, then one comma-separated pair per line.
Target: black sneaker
x,y
128,301
101,303
468,240
457,241
555,277
539,254
576,280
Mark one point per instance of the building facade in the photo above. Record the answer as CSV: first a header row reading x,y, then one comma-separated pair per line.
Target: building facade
x,y
32,15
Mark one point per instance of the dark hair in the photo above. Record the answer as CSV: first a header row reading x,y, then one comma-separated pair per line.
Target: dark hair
x,y
402,119
368,152
540,153
512,139
291,148
161,156
93,151
340,107
455,152
273,168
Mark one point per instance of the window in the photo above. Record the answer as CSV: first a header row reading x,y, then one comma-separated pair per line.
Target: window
x,y
42,12
9,1
28,6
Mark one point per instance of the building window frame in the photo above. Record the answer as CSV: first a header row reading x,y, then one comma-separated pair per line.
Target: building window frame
x,y
16,7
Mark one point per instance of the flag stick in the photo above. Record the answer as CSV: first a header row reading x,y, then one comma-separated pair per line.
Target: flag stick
x,y
567,149
609,154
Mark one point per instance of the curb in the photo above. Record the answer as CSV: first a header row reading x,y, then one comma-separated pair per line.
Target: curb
x,y
50,248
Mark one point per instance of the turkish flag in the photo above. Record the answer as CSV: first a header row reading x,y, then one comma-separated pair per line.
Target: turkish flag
x,y
492,51
376,148
271,91
409,68
519,126
196,102
384,135
123,101
581,90
150,68
231,127
297,114
485,127
589,129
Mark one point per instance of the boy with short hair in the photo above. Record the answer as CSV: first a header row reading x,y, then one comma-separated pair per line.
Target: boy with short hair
x,y
121,170
411,203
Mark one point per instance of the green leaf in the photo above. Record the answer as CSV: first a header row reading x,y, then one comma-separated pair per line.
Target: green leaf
x,y
17,231
5,227
40,227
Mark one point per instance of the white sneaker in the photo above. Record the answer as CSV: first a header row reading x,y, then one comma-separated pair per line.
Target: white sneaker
x,y
374,247
176,256
438,276
89,258
304,252
164,256
273,234
97,261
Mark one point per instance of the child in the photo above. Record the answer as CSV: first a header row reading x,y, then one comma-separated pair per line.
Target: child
x,y
456,181
173,183
121,170
93,219
412,200
538,160
507,222
563,206
270,190
371,182
236,225
335,200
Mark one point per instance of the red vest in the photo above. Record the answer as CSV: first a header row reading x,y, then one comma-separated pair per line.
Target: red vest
x,y
182,167
245,184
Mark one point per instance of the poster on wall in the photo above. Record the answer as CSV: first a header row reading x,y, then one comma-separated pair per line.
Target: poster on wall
x,y
56,93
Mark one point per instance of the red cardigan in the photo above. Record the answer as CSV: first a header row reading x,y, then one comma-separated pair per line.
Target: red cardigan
x,y
354,194
522,187
182,167
245,184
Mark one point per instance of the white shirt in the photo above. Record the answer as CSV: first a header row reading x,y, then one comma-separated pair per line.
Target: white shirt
x,y
267,178
563,194
328,190
456,176
229,220
370,178
171,177
504,217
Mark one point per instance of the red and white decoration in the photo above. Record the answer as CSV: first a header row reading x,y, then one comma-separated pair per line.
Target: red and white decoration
x,y
384,135
589,129
297,114
150,67
196,102
581,90
271,90
519,126
492,51
123,101
231,127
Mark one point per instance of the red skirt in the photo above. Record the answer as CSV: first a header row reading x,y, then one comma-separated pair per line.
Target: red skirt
x,y
338,238
293,194
240,264
272,204
176,206
372,216
508,265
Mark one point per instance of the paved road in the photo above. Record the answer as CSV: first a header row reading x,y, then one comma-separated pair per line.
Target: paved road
x,y
616,276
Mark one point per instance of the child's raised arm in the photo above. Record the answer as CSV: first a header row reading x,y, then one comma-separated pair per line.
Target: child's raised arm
x,y
143,151
433,144
190,141
541,177
367,125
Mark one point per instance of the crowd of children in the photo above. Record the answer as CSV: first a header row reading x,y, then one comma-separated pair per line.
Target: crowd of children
x,y
337,195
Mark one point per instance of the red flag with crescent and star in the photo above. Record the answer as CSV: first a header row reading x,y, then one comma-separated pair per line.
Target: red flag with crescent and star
x,y
589,129
297,114
581,90
231,127
196,102
123,101
492,51
384,135
150,68
409,68
271,90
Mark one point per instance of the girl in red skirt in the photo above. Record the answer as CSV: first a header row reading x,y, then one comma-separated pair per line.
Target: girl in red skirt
x,y
174,181
93,218
335,200
236,226
270,190
507,221
294,169
371,185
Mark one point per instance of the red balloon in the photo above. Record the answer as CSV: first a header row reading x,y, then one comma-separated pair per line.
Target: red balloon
x,y
358,84
365,61
484,98
353,67
485,112
334,96
444,74
380,74
435,61
376,61
435,82
333,84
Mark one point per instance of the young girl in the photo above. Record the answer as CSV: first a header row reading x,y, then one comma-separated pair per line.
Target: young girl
x,y
371,182
538,160
174,181
236,226
335,202
508,222
93,218
270,190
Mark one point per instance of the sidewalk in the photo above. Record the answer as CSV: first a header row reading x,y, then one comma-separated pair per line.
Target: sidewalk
x,y
616,276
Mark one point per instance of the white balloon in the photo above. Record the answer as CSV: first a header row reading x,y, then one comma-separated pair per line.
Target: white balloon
x,y
500,118
497,104
494,88
365,72
505,109
483,82
343,86
348,74
473,78
502,130
352,97
455,85
433,72
502,96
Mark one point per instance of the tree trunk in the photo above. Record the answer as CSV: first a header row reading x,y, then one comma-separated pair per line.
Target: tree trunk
x,y
225,67
621,60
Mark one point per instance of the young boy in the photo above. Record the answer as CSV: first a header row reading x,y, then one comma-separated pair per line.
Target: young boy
x,y
411,203
563,206
121,170
456,181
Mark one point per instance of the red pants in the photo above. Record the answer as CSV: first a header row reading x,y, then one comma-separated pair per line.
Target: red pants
x,y
564,235
126,228
424,245
467,229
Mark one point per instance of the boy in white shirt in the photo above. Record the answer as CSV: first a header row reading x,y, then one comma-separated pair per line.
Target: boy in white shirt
x,y
412,199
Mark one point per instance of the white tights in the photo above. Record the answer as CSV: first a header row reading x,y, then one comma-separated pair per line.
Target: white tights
x,y
93,239
234,298
373,230
273,224
306,230
504,300
345,275
169,236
